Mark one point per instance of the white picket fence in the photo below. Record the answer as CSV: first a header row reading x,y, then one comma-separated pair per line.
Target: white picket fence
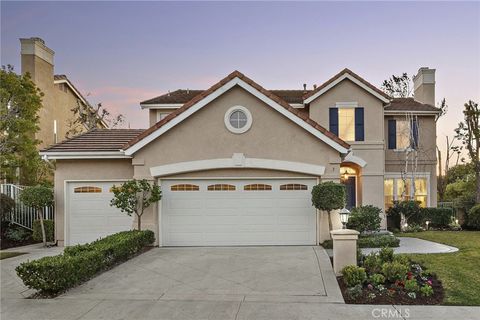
x,y
22,214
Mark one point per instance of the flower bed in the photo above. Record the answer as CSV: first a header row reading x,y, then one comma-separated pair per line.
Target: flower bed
x,y
385,278
53,275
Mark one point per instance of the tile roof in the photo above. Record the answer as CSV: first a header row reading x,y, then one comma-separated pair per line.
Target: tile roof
x,y
353,74
183,96
96,140
218,85
409,104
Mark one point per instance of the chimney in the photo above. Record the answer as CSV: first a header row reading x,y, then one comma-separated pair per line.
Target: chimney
x,y
34,52
305,87
424,86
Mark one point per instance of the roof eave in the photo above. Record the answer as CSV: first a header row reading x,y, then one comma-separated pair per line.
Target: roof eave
x,y
64,155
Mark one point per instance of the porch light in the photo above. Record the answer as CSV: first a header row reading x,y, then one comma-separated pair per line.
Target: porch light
x,y
344,213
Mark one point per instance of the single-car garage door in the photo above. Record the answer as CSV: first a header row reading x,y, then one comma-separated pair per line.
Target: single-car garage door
x,y
90,215
237,212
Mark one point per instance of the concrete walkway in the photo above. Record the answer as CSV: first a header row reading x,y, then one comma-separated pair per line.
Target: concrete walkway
x,y
208,283
415,245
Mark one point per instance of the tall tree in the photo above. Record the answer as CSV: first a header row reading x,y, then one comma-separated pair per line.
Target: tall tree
x,y
88,117
468,132
20,101
398,86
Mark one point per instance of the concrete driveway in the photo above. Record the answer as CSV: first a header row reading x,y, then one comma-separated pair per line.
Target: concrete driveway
x,y
206,283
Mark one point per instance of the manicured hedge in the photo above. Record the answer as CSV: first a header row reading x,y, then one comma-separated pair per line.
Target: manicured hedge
x,y
49,230
52,275
438,217
371,241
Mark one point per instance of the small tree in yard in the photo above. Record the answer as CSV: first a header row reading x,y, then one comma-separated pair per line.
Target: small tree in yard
x,y
329,196
134,196
38,197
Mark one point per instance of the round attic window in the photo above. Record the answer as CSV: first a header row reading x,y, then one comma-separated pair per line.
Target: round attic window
x,y
238,119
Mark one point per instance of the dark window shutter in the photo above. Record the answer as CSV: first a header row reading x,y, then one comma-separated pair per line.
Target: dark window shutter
x,y
333,116
359,126
414,128
392,134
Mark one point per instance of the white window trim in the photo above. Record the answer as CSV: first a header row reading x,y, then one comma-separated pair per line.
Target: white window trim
x,y
243,129
159,115
409,176
346,105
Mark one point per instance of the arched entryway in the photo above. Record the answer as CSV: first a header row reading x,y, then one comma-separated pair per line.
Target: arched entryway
x,y
349,176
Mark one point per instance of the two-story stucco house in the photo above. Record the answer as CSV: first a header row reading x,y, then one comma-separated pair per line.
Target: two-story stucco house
x,y
237,162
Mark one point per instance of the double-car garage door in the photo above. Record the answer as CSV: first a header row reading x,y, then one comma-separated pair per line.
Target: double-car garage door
x,y
237,212
204,212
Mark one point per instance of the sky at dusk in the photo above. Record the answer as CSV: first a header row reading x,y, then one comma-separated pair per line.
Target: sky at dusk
x,y
121,53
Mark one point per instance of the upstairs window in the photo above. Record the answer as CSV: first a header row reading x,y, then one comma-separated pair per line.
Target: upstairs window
x,y
347,122
402,134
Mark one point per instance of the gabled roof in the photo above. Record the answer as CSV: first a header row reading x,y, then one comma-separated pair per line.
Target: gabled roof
x,y
409,104
181,96
96,140
339,77
234,79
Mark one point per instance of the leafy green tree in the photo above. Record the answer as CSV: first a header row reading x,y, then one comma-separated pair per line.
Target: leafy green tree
x,y
329,196
38,197
134,196
20,101
468,132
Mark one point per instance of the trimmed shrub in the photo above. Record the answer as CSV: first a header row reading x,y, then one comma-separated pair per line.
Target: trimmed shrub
x,y
6,206
328,196
353,275
386,254
474,217
55,274
411,210
365,218
377,279
438,217
372,263
49,230
17,233
394,271
378,241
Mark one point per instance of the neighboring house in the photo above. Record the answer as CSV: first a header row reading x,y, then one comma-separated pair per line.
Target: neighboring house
x,y
236,163
60,95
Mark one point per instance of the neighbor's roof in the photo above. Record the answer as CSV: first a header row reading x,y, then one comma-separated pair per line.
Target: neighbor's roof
x,y
96,140
185,95
409,104
221,83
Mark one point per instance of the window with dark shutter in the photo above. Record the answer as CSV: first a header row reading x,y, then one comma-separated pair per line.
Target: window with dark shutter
x,y
392,134
333,119
414,128
359,125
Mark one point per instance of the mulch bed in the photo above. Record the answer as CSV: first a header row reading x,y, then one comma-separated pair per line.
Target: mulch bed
x,y
399,297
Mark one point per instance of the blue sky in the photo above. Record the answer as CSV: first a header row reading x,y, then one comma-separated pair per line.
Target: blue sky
x,y
125,52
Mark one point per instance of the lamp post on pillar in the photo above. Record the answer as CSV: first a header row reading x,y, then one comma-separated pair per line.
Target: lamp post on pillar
x,y
344,244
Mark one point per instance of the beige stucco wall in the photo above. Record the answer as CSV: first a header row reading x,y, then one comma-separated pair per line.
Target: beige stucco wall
x,y
370,180
426,156
85,170
56,104
204,136
153,114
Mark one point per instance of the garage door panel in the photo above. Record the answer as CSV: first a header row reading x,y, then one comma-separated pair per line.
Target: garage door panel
x,y
238,217
90,215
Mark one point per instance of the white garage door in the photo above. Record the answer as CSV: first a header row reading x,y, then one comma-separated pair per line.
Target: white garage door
x,y
90,215
237,212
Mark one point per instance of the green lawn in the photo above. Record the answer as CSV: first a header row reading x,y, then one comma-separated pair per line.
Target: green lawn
x,y
5,255
459,271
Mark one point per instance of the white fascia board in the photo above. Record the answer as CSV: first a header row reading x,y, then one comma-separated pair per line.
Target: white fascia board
x,y
229,163
354,159
71,88
219,92
417,112
161,105
297,105
354,80
84,155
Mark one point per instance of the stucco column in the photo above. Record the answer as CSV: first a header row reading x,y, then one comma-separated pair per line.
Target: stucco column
x,y
344,248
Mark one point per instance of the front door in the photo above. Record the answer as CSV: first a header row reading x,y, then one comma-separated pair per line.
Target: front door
x,y
351,192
